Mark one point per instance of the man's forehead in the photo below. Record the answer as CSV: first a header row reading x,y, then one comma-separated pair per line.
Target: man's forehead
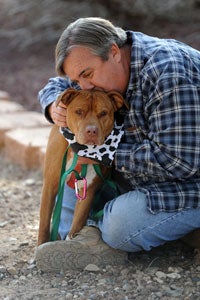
x,y
78,62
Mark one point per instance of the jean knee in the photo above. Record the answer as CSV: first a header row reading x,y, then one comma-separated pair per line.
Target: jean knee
x,y
120,216
111,237
115,239
112,225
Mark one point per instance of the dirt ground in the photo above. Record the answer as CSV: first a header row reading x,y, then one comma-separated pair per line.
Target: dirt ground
x,y
169,272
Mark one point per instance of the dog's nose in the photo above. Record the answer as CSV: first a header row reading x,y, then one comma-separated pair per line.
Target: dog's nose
x,y
91,130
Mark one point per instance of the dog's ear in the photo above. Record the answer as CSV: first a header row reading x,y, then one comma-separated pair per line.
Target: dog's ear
x,y
67,96
117,100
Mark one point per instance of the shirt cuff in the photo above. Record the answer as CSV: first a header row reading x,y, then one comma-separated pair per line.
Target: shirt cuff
x,y
123,161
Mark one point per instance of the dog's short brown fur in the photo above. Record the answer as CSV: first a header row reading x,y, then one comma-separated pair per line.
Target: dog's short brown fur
x,y
90,116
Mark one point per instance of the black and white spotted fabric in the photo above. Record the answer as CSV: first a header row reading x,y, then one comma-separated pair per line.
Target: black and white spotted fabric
x,y
103,154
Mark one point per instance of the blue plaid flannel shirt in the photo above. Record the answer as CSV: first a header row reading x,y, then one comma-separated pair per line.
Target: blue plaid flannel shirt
x,y
160,151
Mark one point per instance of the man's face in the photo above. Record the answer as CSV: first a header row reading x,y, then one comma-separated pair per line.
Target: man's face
x,y
91,72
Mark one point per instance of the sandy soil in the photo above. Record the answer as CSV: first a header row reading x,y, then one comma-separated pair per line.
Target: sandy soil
x,y
168,272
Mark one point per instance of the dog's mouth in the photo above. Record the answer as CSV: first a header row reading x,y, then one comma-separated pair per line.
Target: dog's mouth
x,y
101,152
89,142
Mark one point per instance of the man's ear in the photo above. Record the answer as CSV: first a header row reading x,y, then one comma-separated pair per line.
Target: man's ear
x,y
67,96
117,100
115,52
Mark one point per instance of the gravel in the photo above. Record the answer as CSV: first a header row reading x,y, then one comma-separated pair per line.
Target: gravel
x,y
167,272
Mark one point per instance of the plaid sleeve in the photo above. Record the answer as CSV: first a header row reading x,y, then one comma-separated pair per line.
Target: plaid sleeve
x,y
51,91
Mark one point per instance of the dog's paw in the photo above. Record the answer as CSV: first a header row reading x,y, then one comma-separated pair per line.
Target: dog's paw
x,y
68,238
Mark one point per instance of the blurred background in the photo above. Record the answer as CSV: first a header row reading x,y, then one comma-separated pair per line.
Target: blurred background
x,y
29,31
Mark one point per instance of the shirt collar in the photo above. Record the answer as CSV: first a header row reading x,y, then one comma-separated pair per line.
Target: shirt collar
x,y
137,61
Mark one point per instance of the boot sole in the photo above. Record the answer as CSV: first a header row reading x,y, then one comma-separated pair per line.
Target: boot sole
x,y
62,255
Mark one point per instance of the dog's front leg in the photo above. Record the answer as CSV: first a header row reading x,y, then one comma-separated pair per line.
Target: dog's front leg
x,y
83,207
46,208
53,160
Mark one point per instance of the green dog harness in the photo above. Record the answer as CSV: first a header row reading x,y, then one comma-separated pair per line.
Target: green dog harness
x,y
108,187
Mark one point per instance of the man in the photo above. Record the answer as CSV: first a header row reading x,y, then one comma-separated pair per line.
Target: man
x,y
159,155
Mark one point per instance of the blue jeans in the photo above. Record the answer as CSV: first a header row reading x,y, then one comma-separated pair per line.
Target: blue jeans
x,y
128,225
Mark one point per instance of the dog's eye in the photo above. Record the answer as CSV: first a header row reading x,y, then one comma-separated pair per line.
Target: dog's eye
x,y
102,114
79,112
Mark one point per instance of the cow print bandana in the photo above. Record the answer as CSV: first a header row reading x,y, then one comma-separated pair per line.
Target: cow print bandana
x,y
103,154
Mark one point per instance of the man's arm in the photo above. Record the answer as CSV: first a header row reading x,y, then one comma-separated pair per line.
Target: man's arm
x,y
47,97
170,147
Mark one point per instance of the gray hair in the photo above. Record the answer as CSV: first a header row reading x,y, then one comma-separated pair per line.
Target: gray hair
x,y
95,33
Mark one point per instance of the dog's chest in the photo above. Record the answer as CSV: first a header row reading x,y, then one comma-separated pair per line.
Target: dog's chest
x,y
90,175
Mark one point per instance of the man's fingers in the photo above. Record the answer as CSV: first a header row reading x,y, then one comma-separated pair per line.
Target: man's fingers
x,y
59,119
58,114
60,110
62,105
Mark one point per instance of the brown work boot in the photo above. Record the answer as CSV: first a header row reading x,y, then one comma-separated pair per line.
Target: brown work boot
x,y
86,248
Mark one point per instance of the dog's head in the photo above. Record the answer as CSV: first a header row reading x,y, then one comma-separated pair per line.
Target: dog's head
x,y
90,114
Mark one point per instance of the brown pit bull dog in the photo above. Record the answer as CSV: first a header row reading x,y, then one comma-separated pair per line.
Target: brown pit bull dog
x,y
90,117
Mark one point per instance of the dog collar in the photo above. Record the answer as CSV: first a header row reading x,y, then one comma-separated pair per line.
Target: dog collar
x,y
103,153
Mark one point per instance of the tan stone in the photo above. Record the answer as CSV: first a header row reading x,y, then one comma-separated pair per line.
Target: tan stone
x,y
4,95
8,106
23,119
26,146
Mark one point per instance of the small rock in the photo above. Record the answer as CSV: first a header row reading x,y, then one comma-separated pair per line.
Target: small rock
x,y
91,268
173,287
102,281
12,270
2,269
127,287
85,287
25,272
24,243
29,182
160,274
158,295
124,272
159,280
32,266
68,296
3,224
31,261
27,195
12,239
173,270
174,275
93,296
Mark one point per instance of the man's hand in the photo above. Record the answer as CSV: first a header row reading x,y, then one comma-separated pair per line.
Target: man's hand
x,y
58,114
